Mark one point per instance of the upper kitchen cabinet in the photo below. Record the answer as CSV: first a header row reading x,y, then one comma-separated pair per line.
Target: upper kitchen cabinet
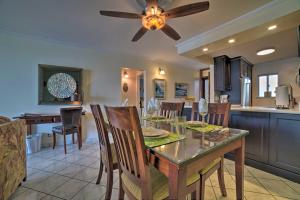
x,y
222,73
240,68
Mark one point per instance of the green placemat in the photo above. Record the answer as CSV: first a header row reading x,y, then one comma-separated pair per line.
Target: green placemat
x,y
207,129
154,142
158,119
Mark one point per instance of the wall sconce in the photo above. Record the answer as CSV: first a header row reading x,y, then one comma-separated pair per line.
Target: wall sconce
x,y
161,71
125,74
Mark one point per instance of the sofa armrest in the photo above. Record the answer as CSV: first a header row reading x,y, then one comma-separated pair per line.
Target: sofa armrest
x,y
12,156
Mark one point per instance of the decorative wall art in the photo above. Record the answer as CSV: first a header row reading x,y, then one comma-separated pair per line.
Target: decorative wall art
x,y
159,88
181,90
60,85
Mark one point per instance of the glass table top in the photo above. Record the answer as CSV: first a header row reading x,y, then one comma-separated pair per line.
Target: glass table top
x,y
196,144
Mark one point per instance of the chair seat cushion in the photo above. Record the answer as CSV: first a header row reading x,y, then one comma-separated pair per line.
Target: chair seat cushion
x,y
159,182
59,129
211,165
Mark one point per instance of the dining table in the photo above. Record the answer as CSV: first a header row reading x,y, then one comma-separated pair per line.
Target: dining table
x,y
194,151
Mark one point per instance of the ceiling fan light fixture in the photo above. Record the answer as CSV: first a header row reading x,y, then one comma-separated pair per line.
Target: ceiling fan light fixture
x,y
153,19
205,49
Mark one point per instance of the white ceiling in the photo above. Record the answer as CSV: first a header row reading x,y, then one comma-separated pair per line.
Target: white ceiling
x,y
285,44
77,22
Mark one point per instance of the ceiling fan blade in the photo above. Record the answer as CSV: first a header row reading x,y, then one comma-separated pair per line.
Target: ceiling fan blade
x,y
139,34
120,14
151,3
187,10
169,31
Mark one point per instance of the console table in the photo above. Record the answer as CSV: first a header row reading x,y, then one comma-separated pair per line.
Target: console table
x,y
45,118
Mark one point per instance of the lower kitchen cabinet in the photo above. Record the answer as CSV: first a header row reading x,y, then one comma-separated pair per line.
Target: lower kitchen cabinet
x,y
257,144
273,143
285,141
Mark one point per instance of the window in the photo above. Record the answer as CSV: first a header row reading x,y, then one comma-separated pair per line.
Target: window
x,y
267,83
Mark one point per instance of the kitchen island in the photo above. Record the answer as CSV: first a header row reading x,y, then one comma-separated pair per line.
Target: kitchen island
x,y
273,143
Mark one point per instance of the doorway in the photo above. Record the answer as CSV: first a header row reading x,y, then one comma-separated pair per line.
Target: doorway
x,y
204,84
133,86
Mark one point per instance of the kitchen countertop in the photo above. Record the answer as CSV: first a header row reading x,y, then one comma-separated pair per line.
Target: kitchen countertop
x,y
265,109
262,109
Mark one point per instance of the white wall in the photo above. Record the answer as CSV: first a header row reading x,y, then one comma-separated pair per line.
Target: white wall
x,y
286,69
19,59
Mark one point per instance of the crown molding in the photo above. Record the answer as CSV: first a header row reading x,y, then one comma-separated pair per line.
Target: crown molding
x,y
259,16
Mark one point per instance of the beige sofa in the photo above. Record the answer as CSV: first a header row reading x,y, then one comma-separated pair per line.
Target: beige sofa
x,y
12,156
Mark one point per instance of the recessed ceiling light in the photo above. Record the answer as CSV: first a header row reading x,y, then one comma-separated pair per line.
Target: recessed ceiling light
x,y
205,49
231,41
264,52
272,27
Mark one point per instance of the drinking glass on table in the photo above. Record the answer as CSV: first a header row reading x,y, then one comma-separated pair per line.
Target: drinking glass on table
x,y
179,125
203,109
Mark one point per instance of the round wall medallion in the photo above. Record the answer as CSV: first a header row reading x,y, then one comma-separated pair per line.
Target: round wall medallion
x,y
61,85
125,87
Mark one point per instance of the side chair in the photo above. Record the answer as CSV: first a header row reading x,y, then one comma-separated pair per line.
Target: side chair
x,y
108,157
138,178
218,114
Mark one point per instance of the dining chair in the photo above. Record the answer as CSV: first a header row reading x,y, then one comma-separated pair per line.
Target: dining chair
x,y
138,178
108,155
218,114
171,109
71,122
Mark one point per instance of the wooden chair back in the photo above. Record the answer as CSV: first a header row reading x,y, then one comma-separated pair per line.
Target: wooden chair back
x,y
105,150
129,142
70,117
171,109
218,113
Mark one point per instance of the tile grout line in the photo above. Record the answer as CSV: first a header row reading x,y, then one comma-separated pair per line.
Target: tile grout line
x,y
41,192
290,187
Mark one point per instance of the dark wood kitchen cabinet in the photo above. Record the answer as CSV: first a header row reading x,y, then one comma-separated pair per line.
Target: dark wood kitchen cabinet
x,y
285,141
273,143
258,125
240,67
222,73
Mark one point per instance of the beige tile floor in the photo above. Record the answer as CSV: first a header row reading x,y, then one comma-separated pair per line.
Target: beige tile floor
x,y
53,175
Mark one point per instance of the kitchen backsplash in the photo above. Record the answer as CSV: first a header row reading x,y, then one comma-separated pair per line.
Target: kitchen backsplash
x,y
286,69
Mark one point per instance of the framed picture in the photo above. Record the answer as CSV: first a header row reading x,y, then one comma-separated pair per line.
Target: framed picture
x,y
181,90
59,85
159,88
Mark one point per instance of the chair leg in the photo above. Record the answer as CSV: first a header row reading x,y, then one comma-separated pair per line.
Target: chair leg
x,y
221,178
202,187
54,139
79,138
121,191
65,144
73,138
100,172
109,184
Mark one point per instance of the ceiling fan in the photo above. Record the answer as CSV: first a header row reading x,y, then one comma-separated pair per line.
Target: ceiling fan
x,y
154,17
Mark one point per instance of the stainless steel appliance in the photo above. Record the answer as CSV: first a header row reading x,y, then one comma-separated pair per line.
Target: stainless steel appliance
x,y
284,97
245,91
